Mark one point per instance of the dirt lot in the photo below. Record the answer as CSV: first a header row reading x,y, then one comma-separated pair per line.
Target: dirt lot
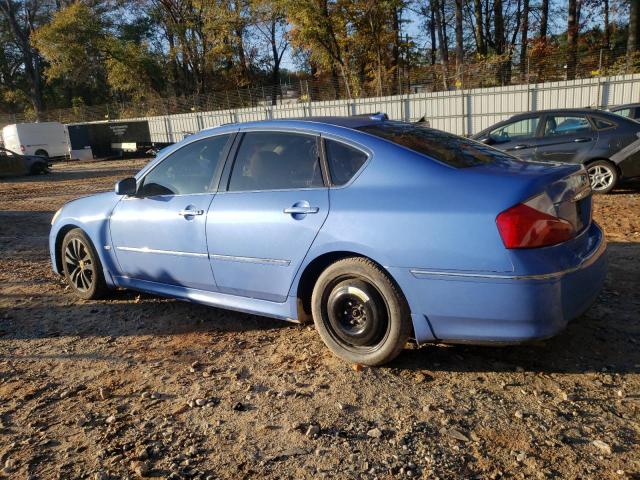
x,y
143,386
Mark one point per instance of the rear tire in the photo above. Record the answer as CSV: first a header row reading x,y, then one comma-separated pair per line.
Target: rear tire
x,y
81,266
359,312
603,176
42,153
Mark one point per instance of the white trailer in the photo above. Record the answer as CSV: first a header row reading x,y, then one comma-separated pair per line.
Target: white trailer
x,y
47,139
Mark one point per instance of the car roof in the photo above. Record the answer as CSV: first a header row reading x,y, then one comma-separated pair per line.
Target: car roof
x,y
625,105
352,122
561,110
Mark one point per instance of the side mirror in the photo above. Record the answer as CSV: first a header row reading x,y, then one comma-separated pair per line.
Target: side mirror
x,y
126,186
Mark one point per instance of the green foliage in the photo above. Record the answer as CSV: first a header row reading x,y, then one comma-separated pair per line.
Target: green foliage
x,y
82,52
73,43
153,56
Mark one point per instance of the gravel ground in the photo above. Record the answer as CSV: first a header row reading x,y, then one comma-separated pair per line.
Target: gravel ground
x,y
141,386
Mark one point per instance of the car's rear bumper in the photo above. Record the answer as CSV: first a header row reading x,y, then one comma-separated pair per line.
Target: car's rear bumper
x,y
495,308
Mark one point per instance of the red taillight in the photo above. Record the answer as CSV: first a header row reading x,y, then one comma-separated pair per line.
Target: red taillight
x,y
22,149
523,226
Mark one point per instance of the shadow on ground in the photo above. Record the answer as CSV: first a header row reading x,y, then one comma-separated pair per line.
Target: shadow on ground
x,y
604,339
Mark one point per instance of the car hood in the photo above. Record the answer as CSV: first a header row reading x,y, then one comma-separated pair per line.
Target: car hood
x,y
98,205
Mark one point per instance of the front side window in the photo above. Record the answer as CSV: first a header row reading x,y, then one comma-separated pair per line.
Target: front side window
x,y
187,171
276,161
344,161
566,125
515,130
444,147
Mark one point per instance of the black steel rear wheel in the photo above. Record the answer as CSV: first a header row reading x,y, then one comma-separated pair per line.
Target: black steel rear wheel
x,y
360,313
81,265
357,314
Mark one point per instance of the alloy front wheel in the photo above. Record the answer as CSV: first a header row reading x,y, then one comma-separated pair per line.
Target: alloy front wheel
x,y
81,265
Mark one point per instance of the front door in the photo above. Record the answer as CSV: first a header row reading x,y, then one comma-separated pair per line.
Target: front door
x,y
159,235
566,138
261,228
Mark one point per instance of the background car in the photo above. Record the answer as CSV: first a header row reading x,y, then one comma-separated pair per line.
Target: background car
x,y
606,143
629,110
377,230
14,164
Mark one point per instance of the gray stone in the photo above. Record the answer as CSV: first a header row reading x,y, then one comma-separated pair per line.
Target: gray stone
x,y
602,446
312,430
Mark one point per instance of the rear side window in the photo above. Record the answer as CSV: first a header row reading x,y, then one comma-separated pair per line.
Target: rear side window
x,y
601,123
566,125
344,161
450,149
276,161
623,112
186,171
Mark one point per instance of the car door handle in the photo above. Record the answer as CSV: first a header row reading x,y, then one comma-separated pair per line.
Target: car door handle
x,y
189,213
520,147
301,210
581,140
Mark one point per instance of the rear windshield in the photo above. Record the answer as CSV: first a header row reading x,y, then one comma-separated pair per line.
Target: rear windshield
x,y
450,149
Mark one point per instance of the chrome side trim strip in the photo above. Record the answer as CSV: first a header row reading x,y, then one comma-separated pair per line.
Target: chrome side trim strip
x,y
416,272
162,252
264,261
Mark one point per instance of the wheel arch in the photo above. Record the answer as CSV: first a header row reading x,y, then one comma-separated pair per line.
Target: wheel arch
x,y
315,267
603,159
58,243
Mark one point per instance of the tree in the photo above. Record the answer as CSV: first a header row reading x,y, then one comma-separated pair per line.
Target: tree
x,y
524,38
82,53
320,28
634,27
72,42
459,39
21,20
271,24
441,29
544,20
499,39
573,26
481,43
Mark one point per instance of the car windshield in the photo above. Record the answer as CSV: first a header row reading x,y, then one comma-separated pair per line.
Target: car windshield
x,y
450,149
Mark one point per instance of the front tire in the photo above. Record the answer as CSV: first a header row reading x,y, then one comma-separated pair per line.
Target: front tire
x,y
359,312
603,176
81,266
38,168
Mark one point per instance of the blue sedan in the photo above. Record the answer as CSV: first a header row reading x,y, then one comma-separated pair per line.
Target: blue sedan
x,y
377,230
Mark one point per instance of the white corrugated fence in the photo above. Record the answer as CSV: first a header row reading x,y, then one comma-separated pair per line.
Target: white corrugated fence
x,y
462,112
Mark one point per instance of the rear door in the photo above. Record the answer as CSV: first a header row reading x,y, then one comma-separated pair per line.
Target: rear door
x,y
517,137
260,229
565,138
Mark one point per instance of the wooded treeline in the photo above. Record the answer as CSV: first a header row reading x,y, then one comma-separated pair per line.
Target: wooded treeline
x,y
61,54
